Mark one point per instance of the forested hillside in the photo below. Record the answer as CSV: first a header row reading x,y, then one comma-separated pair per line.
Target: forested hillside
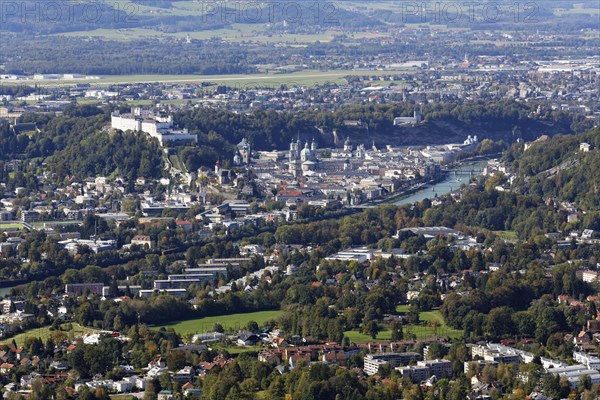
x,y
40,135
104,154
43,135
558,168
75,143
504,120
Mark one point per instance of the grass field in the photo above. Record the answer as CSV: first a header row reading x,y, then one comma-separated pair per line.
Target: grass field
x,y
299,78
44,333
235,350
236,33
10,225
510,236
231,323
177,163
577,9
420,331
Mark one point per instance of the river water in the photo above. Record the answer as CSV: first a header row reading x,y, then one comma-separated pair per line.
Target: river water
x,y
459,174
4,291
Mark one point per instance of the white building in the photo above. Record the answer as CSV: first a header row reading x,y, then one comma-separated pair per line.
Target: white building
x,y
372,362
157,126
589,276
585,147
426,369
574,373
591,362
415,119
415,373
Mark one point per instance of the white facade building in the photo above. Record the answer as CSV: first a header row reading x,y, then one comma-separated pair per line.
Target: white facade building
x,y
157,126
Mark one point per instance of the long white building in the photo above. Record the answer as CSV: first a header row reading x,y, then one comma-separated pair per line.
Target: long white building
x,y
157,126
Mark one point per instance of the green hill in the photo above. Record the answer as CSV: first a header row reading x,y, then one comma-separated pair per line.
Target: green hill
x,y
557,168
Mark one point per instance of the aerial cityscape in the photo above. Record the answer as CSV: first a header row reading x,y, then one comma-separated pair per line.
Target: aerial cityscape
x,y
299,200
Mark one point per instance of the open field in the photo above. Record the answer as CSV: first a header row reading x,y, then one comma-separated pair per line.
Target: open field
x,y
308,77
357,337
231,323
578,8
44,333
177,164
237,33
235,350
44,224
420,331
510,236
10,225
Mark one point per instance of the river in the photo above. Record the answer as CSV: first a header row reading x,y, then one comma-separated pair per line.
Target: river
x,y
4,291
459,174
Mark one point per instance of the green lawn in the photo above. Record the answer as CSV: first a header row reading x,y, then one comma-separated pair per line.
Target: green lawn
x,y
231,322
11,225
420,331
235,350
44,333
177,164
357,337
510,236
402,308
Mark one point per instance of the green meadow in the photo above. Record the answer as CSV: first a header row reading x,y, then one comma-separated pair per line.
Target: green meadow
x,y
231,322
44,333
422,330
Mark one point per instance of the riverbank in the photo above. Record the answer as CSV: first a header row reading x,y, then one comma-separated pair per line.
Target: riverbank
x,y
407,193
440,186
453,179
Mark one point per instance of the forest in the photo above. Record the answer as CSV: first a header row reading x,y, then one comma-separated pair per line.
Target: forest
x,y
76,143
557,168
506,120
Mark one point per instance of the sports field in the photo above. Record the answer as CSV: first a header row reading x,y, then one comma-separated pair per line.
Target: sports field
x,y
11,225
231,322
423,330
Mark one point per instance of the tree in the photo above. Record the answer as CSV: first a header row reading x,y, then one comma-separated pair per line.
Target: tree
x,y
397,333
78,362
346,341
39,391
435,324
593,311
152,387
499,322
176,360
113,290
413,314
252,326
584,383
371,328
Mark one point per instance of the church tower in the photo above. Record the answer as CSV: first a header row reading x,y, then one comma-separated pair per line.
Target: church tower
x,y
347,145
293,154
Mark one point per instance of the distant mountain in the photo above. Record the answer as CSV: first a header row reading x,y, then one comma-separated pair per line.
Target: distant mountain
x,y
40,17
43,18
